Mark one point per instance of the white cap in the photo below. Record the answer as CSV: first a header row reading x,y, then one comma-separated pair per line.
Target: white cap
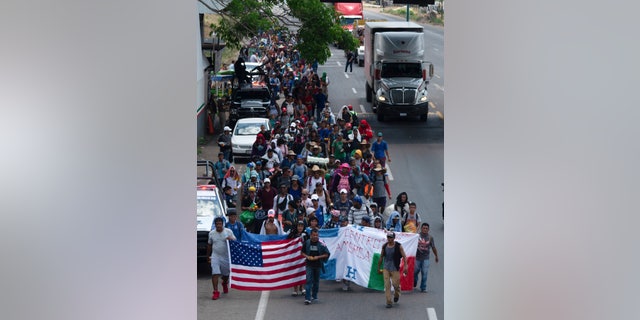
x,y
315,197
293,124
226,128
267,180
343,191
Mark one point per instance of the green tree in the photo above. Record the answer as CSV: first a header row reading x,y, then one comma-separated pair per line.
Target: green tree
x,y
315,25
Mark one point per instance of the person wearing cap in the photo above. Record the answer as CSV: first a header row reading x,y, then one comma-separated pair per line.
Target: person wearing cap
x,y
271,225
263,173
315,253
338,148
380,150
228,198
266,194
334,221
356,154
319,211
344,222
391,254
295,189
234,224
393,223
299,168
425,243
343,204
358,211
219,255
224,142
253,182
270,158
365,221
221,166
380,187
411,220
251,202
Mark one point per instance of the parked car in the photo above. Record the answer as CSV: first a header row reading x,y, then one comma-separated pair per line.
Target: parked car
x,y
244,135
250,102
209,205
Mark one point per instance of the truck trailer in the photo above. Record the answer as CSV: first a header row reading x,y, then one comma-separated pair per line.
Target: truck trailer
x,y
396,72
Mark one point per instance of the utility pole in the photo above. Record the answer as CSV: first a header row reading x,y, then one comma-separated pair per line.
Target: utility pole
x,y
407,12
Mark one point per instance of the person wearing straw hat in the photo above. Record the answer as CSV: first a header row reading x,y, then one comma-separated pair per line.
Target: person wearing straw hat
x,y
380,186
317,175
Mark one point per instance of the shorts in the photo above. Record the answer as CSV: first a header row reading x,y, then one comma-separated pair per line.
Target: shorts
x,y
219,265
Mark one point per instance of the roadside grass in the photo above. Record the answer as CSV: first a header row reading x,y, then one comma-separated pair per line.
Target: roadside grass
x,y
421,17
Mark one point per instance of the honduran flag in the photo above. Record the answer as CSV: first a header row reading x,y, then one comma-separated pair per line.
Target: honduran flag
x,y
262,262
355,252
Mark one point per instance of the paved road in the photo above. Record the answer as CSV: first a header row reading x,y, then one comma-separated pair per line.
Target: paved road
x,y
417,154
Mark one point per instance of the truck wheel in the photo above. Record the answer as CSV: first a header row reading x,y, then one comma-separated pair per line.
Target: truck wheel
x,y
423,118
380,115
368,90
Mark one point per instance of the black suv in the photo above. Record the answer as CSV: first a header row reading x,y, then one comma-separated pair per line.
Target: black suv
x,y
250,102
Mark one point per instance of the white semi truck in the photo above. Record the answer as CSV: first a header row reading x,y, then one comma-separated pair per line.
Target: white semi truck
x,y
395,68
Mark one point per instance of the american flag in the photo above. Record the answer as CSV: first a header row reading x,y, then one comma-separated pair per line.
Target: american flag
x,y
266,265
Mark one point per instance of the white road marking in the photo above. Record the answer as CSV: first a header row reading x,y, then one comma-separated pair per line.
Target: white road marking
x,y
437,76
354,90
338,62
362,108
431,314
389,174
346,75
432,105
262,305
438,86
435,49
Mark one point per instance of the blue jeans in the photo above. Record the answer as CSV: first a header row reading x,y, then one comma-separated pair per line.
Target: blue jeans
x,y
421,265
313,283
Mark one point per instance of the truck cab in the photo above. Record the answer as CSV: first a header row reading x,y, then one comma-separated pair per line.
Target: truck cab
x,y
396,71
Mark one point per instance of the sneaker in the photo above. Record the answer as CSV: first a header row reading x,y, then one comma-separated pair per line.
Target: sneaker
x,y
307,302
345,287
314,299
303,292
395,299
294,294
216,295
388,305
423,291
225,287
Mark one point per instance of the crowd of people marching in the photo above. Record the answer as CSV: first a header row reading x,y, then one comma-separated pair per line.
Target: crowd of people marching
x,y
314,169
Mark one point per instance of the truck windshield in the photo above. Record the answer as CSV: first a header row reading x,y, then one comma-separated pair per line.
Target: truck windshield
x,y
401,69
208,206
